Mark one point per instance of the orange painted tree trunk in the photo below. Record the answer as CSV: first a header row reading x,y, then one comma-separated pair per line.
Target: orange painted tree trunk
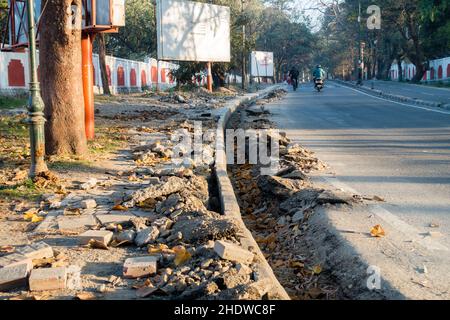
x,y
60,76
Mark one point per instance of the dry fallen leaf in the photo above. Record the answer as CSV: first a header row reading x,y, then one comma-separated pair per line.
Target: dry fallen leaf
x,y
181,255
29,214
296,264
86,296
95,244
160,248
316,269
7,249
36,219
377,231
119,207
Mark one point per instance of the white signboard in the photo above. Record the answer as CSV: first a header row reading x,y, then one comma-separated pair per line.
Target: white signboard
x,y
261,64
193,31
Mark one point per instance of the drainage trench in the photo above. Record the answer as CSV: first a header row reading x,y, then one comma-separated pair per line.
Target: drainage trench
x,y
276,209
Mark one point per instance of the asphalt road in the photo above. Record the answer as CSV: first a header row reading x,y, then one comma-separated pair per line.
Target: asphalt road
x,y
421,92
376,147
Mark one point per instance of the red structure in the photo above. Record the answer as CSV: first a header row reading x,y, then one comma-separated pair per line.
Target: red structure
x,y
16,73
133,81
120,77
143,78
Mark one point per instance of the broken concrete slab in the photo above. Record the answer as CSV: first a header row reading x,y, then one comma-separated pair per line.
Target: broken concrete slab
x,y
233,252
74,278
13,277
205,228
126,236
48,279
15,259
140,267
279,187
335,197
172,185
146,236
89,184
76,224
39,250
101,236
49,223
88,204
117,218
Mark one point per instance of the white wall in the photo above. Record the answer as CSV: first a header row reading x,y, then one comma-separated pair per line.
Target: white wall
x,y
409,70
7,87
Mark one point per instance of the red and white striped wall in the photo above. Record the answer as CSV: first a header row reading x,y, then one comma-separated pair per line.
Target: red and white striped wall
x,y
123,75
439,70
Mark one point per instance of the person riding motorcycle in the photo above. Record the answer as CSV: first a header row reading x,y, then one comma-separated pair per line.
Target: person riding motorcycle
x,y
293,74
318,73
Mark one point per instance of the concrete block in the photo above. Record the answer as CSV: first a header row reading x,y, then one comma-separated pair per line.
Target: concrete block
x,y
102,236
232,252
88,204
117,218
48,279
13,277
140,267
39,250
75,224
15,259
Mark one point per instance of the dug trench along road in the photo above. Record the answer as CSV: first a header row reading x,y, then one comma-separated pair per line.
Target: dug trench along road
x,y
396,151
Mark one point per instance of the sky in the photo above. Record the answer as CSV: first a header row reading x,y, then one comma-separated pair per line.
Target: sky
x,y
310,10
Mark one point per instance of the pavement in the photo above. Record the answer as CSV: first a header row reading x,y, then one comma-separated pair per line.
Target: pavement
x,y
414,91
396,151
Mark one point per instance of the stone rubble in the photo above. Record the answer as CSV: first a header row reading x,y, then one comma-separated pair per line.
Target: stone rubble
x,y
161,216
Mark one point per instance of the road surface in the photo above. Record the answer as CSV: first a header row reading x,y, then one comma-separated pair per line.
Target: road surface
x,y
376,147
421,92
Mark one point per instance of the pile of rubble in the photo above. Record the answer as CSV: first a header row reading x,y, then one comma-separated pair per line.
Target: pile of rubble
x,y
158,220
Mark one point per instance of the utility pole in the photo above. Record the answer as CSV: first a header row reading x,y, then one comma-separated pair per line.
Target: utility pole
x,y
36,118
244,70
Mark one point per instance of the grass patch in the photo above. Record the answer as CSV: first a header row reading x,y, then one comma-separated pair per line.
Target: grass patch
x,y
12,102
22,191
14,127
67,165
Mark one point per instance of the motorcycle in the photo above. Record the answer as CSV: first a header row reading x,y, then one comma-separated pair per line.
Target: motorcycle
x,y
318,84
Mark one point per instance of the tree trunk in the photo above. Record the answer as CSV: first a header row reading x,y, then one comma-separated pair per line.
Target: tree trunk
x,y
102,60
60,67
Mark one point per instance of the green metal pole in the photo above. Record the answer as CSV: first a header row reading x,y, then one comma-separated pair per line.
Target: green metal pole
x,y
36,118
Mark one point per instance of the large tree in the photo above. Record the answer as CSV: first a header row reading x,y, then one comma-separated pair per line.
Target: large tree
x,y
60,69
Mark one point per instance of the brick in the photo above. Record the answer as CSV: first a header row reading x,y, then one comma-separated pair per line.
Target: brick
x,y
13,277
102,236
140,267
88,204
232,252
74,224
48,279
39,250
15,259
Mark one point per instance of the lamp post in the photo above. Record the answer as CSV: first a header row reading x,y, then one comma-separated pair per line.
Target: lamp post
x,y
36,118
244,70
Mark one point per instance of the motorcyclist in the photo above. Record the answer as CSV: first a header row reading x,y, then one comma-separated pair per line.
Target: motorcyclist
x,y
318,73
293,74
